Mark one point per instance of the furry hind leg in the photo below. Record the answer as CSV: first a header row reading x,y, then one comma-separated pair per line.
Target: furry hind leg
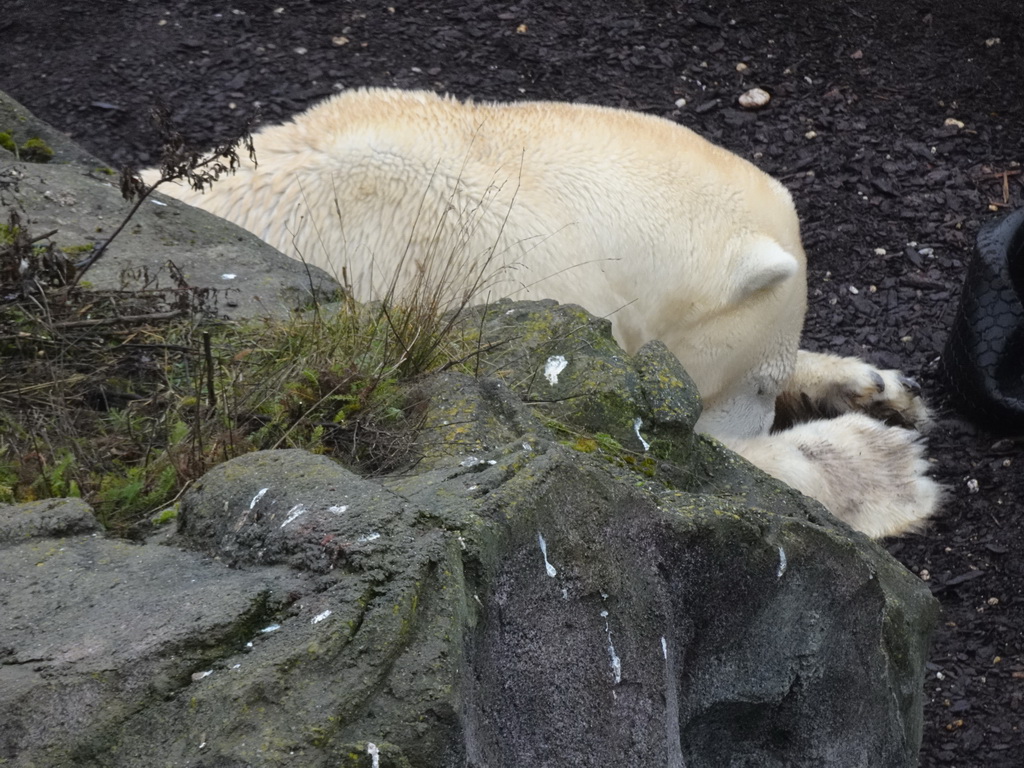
x,y
867,474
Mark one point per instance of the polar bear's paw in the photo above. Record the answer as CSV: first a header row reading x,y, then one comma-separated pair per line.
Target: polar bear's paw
x,y
869,475
823,386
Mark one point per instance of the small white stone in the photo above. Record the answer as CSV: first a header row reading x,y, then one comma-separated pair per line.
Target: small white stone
x,y
811,135
741,67
992,41
755,98
953,122
972,486
880,251
301,51
339,40
680,103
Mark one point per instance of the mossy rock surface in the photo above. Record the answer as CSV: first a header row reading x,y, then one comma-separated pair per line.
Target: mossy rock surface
x,y
471,609
76,195
22,128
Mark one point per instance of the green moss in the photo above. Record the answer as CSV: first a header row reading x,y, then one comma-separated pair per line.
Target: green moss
x,y
36,151
77,250
644,465
166,515
585,445
608,443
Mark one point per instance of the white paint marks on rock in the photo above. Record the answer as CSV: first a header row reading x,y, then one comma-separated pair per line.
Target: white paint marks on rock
x,y
554,366
783,564
293,514
544,551
262,492
228,276
320,617
368,537
673,740
374,753
637,423
616,662
473,461
340,509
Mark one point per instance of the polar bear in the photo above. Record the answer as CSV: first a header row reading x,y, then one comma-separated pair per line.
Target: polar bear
x,y
631,216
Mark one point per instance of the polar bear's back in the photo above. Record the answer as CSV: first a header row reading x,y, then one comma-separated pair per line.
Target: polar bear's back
x,y
629,215
369,175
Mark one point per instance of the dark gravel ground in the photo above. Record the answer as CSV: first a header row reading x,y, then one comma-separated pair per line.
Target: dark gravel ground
x,y
891,197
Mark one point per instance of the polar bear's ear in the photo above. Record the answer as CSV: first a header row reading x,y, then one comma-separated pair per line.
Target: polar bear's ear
x,y
762,264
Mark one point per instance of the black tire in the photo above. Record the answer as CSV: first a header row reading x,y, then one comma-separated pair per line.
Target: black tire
x,y
983,363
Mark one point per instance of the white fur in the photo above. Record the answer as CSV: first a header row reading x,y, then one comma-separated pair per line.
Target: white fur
x,y
866,473
631,216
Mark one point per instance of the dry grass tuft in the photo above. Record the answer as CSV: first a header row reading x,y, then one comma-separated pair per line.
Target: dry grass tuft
x,y
126,397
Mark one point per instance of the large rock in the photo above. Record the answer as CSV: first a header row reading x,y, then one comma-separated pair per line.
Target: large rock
x,y
79,197
523,599
94,629
568,576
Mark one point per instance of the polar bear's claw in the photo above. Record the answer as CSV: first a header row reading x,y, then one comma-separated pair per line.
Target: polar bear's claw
x,y
824,386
